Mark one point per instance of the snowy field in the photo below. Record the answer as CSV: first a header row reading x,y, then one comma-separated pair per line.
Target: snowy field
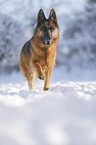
x,y
64,115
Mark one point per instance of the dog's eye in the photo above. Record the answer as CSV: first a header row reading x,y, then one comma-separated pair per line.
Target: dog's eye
x,y
51,29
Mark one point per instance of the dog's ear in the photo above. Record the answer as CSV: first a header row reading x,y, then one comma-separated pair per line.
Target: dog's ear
x,y
52,15
41,16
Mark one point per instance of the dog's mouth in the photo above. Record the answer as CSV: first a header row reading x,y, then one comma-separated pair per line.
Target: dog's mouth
x,y
48,42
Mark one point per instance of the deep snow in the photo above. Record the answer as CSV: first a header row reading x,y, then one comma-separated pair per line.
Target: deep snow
x,y
64,115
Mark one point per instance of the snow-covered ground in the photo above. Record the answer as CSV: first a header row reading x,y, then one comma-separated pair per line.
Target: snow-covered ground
x,y
64,115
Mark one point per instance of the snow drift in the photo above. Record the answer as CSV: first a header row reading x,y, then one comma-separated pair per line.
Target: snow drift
x,y
64,115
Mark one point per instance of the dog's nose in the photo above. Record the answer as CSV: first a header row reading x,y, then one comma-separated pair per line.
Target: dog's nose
x,y
48,36
48,43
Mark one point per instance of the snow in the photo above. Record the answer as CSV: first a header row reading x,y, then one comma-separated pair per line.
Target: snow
x,y
64,115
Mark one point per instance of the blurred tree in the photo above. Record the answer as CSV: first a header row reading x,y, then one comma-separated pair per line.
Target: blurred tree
x,y
11,40
92,0
79,43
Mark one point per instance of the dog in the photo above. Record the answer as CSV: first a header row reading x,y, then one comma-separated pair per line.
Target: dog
x,y
38,55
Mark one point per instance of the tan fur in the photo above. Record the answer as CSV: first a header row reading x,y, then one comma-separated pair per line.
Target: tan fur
x,y
41,60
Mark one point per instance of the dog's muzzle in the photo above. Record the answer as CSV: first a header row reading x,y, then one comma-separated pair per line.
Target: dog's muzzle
x,y
48,42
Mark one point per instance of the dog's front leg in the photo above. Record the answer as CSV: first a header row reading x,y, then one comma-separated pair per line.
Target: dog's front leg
x,y
47,80
40,71
31,79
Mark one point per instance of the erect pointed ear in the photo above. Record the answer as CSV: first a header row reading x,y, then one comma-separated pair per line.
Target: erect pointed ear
x,y
41,16
52,15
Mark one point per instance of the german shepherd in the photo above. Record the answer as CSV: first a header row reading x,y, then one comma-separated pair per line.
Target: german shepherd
x,y
39,53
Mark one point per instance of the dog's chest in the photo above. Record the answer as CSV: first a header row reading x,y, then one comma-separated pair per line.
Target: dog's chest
x,y
47,59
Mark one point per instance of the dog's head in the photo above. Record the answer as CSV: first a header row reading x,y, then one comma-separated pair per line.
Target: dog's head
x,y
47,29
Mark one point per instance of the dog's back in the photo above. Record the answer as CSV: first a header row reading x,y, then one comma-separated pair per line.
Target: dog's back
x,y
25,58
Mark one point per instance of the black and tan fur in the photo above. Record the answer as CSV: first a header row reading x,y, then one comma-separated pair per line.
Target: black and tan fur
x,y
39,53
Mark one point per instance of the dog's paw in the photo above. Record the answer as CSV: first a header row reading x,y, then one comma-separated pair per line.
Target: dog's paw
x,y
41,77
46,89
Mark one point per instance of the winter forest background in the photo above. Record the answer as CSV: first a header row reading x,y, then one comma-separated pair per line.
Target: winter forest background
x,y
77,24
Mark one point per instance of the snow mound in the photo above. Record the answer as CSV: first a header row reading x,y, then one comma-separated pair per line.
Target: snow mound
x,y
16,95
64,115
